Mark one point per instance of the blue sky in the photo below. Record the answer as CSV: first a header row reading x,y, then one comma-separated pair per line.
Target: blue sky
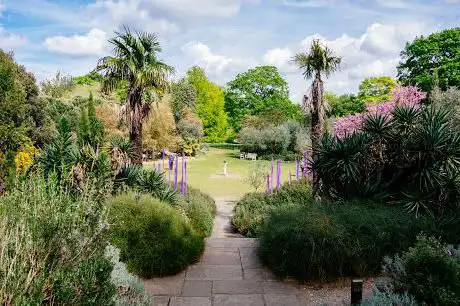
x,y
224,36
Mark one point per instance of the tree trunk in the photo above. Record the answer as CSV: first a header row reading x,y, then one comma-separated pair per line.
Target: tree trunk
x,y
317,123
136,120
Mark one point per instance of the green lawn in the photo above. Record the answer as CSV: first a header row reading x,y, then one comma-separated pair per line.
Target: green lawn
x,y
205,173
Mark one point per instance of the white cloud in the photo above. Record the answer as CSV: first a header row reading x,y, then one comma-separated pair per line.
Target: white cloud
x,y
374,53
111,14
215,64
9,41
388,39
281,58
93,43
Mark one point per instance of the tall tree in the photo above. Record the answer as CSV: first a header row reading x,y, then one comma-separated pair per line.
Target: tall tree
x,y
183,96
342,105
439,51
318,61
376,89
136,62
209,105
256,91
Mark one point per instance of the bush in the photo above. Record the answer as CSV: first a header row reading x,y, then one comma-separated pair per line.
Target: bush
x,y
329,240
200,210
144,180
130,290
253,209
404,154
52,247
388,297
274,140
153,238
429,271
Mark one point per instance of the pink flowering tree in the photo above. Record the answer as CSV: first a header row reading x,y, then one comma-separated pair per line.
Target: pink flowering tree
x,y
406,96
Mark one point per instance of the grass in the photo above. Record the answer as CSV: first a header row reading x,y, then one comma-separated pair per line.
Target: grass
x,y
205,173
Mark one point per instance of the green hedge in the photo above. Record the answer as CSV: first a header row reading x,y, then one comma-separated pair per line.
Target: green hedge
x,y
329,240
153,237
200,210
254,208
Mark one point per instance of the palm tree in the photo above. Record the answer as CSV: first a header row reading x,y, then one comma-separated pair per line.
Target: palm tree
x,y
136,63
320,60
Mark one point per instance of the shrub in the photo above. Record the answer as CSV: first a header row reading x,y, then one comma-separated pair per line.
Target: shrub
x,y
144,180
129,290
153,238
429,271
321,240
268,140
253,209
408,155
52,247
200,210
388,297
256,176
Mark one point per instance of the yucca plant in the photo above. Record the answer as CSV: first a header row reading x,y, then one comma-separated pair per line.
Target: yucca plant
x,y
143,180
411,156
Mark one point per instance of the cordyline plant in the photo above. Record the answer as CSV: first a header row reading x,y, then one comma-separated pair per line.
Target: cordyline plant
x,y
405,153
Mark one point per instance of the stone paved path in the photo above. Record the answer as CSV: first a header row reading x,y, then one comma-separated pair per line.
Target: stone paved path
x,y
228,274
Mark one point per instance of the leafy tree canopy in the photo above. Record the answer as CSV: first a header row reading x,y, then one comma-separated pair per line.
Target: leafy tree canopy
x,y
209,105
376,89
256,91
22,113
344,104
183,95
439,51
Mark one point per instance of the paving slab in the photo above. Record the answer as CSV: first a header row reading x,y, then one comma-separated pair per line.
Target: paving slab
x,y
214,272
249,258
197,288
217,242
168,285
237,287
212,257
238,300
161,300
190,301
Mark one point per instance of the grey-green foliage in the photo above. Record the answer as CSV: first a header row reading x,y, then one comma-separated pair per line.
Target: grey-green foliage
x,y
256,175
269,140
130,290
450,98
388,298
299,137
190,130
52,246
429,271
